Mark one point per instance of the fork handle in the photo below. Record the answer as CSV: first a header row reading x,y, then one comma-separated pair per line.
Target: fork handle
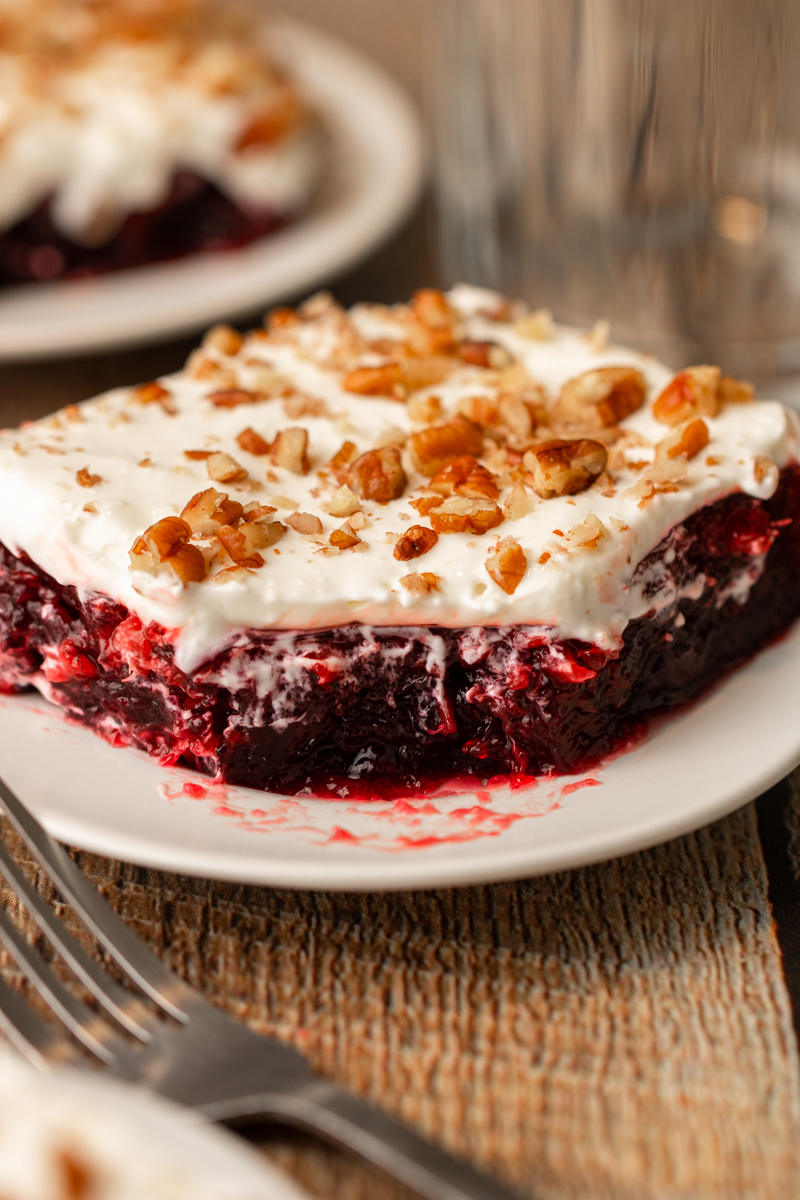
x,y
321,1108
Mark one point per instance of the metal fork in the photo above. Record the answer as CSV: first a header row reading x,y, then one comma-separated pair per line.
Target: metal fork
x,y
201,1058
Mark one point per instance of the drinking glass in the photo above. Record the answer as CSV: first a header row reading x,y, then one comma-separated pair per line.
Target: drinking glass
x,y
635,160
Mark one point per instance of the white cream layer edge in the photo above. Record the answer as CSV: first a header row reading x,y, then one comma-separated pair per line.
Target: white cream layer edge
x,y
123,130
580,593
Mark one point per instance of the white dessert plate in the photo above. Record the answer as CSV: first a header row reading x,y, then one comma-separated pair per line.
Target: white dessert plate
x,y
373,176
691,768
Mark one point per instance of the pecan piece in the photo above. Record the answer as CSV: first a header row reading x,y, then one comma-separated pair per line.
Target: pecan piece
x,y
378,475
431,448
373,381
344,538
689,439
224,339
692,393
425,371
232,397
154,393
424,410
561,468
252,442
735,391
507,565
462,514
424,504
342,459
166,544
305,523
600,397
422,583
290,450
466,477
415,542
344,502
224,469
207,510
243,543
84,478
485,354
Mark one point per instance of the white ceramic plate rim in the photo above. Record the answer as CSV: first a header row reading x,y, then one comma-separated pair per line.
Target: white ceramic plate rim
x,y
375,173
693,768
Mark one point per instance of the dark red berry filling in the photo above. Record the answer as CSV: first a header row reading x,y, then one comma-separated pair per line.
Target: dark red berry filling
x,y
195,217
357,709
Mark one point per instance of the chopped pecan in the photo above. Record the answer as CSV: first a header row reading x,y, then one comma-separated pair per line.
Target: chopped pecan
x,y
224,469
252,442
587,534
415,542
344,456
373,381
735,391
344,502
689,439
464,515
196,455
299,405
166,544
431,448
420,584
224,339
85,478
507,565
536,326
281,318
243,542
425,370
233,397
290,450
561,468
344,538
200,366
692,393
207,510
662,477
482,410
305,523
435,322
515,416
255,512
484,354
466,477
424,410
378,475
424,504
266,381
154,393
600,397
518,504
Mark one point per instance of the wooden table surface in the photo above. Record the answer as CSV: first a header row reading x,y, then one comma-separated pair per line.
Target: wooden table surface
x,y
622,1031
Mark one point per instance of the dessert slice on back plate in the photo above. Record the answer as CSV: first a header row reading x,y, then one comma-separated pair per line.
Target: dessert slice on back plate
x,y
354,551
132,132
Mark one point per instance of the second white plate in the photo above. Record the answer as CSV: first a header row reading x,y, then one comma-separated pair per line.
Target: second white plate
x,y
374,175
703,762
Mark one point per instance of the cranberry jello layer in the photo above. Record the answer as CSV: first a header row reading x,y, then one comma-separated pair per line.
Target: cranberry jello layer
x,y
368,549
131,133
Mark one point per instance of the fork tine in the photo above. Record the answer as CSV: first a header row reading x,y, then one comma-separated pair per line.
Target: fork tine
x,y
123,1006
131,954
32,1036
79,1019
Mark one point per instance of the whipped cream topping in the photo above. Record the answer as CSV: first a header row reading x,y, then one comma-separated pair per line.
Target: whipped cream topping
x,y
100,120
136,453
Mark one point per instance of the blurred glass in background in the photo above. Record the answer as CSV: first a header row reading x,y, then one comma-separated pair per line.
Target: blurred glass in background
x,y
631,159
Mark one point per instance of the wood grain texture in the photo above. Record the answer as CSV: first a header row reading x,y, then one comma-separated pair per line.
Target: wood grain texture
x,y
621,1031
